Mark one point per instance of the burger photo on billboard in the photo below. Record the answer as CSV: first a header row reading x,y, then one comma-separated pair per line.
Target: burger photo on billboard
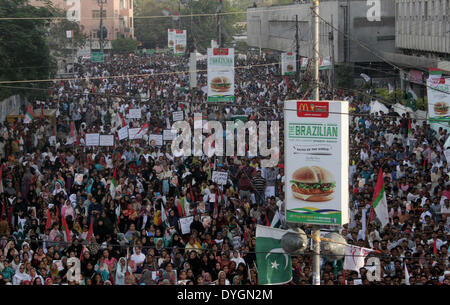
x,y
441,108
179,47
313,183
220,84
171,43
290,68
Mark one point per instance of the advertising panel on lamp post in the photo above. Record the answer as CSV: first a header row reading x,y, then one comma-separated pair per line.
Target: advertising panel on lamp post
x,y
316,162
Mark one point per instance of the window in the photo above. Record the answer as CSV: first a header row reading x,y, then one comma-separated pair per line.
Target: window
x,y
131,4
131,22
123,4
96,14
94,34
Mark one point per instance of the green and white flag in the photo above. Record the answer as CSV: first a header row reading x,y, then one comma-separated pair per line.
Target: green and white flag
x,y
273,263
276,220
379,204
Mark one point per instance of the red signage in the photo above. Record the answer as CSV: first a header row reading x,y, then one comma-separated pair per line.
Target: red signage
x,y
217,51
310,109
180,31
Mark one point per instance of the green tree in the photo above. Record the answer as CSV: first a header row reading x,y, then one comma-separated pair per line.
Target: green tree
x,y
58,41
24,51
124,45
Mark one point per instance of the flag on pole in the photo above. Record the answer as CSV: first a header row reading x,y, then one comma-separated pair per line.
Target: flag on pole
x,y
406,276
72,137
65,227
379,203
390,88
114,178
366,77
164,216
273,263
355,257
165,12
143,130
29,115
409,127
179,208
91,230
276,221
48,223
411,98
123,120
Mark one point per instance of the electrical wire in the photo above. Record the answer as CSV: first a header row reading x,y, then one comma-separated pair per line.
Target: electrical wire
x,y
149,17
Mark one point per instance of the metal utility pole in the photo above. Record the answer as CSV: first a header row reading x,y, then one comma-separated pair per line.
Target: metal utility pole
x,y
179,14
316,49
219,24
101,2
297,48
331,41
316,228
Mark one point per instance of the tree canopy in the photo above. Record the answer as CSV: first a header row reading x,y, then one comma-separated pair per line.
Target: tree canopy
x,y
24,50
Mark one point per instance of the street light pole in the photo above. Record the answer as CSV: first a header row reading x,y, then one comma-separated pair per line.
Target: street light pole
x,y
100,2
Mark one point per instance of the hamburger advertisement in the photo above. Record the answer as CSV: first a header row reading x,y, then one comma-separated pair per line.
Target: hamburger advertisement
x,y
170,38
220,84
180,42
220,75
438,93
288,63
316,162
441,108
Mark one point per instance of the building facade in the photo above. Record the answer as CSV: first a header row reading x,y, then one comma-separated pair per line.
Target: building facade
x,y
117,18
361,32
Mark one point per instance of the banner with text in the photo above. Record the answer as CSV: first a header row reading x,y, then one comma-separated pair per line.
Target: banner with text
x,y
220,75
316,162
288,63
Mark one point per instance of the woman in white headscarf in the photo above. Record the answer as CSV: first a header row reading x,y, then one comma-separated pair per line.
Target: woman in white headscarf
x,y
121,270
20,275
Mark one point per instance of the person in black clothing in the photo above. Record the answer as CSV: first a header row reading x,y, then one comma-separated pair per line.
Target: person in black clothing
x,y
197,225
76,247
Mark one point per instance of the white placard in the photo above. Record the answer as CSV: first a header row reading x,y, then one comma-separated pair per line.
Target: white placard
x,y
123,133
220,177
178,116
69,34
134,114
168,135
92,139
316,145
185,224
132,134
158,139
107,140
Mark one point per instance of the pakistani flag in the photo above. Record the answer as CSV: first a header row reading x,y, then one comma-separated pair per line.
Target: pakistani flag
x,y
29,115
276,220
411,98
379,204
273,263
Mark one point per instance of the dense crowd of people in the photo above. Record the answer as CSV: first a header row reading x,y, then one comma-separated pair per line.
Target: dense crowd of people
x,y
73,214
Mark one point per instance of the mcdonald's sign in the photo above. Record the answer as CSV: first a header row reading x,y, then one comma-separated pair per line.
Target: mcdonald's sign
x,y
312,109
